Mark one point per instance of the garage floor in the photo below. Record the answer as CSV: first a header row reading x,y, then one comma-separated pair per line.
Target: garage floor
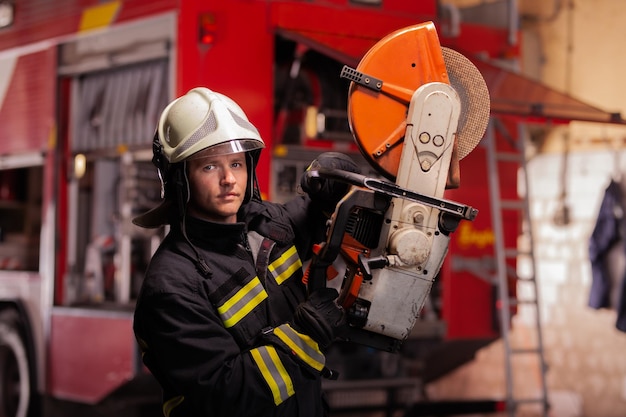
x,y
139,398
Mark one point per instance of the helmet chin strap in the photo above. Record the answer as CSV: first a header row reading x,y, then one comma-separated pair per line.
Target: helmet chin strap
x,y
252,188
182,199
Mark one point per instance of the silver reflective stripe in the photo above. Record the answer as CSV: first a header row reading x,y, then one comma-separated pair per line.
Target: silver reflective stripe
x,y
243,302
285,266
302,345
274,373
255,240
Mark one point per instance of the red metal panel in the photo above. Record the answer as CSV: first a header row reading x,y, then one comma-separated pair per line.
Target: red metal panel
x,y
27,109
468,297
38,20
347,30
136,9
402,7
351,31
91,354
488,42
414,8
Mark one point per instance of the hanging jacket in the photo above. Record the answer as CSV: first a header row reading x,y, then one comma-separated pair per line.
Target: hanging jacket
x,y
220,343
608,231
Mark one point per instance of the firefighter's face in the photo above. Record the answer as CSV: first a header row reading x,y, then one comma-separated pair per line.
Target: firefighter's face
x,y
217,186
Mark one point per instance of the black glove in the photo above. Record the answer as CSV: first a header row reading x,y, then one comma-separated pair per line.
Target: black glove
x,y
320,317
328,192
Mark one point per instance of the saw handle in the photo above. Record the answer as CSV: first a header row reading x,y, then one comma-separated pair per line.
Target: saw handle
x,y
398,93
315,177
324,190
391,189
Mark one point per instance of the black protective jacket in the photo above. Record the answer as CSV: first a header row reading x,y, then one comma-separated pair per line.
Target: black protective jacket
x,y
220,342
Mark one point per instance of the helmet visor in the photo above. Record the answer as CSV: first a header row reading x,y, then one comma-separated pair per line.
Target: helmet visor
x,y
227,148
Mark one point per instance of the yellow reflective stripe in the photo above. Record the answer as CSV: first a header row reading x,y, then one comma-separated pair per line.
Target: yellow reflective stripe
x,y
285,266
240,304
273,372
302,345
172,403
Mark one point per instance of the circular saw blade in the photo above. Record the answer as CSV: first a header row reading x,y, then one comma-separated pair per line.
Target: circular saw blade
x,y
405,60
470,85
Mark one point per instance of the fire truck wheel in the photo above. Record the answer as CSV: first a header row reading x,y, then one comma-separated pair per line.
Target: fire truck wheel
x,y
15,392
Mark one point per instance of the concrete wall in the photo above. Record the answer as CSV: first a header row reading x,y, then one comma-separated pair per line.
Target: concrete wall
x,y
586,354
576,47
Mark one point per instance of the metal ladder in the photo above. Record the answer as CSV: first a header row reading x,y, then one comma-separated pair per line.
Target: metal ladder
x,y
496,158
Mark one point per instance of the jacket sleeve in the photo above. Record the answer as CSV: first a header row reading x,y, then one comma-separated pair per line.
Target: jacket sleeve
x,y
605,234
204,372
308,221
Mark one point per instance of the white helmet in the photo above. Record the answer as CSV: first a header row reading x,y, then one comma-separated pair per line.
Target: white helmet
x,y
201,120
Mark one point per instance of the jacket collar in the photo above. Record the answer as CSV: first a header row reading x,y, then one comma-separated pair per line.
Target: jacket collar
x,y
215,236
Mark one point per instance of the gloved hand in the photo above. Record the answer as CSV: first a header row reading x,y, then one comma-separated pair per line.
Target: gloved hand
x,y
325,191
320,317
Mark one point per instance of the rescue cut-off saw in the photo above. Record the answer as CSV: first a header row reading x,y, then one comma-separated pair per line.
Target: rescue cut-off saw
x,y
415,109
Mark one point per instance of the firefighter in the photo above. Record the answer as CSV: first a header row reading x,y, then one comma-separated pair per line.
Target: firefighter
x,y
223,319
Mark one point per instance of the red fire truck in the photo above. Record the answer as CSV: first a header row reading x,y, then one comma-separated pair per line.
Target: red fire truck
x,y
81,88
